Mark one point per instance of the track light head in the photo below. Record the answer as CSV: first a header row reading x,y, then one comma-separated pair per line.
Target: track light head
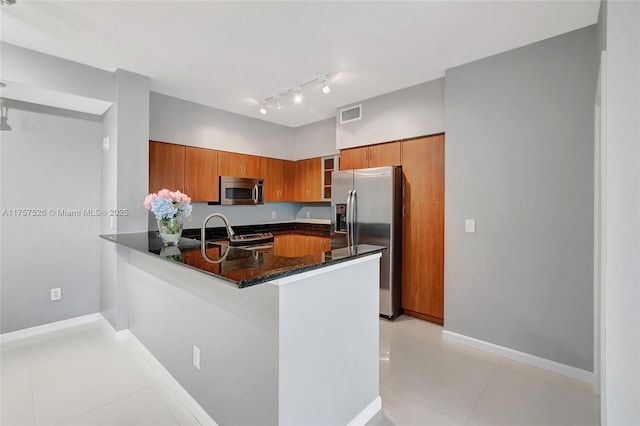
x,y
297,96
325,88
263,109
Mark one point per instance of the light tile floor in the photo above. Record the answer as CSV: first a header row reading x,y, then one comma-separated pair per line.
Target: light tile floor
x,y
425,380
82,377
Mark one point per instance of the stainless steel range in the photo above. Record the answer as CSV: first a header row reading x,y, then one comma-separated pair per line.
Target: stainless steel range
x,y
262,242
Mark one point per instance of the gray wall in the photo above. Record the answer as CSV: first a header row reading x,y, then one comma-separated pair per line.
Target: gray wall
x,y
50,72
50,160
125,175
406,113
186,123
314,140
621,384
519,160
132,99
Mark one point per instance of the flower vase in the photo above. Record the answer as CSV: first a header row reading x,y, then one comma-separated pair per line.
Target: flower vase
x,y
170,230
171,253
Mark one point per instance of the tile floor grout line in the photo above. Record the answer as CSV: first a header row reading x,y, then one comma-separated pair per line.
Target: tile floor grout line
x,y
159,381
475,407
418,402
405,360
103,405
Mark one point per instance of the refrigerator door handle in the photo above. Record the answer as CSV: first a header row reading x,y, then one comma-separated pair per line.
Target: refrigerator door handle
x,y
354,216
348,218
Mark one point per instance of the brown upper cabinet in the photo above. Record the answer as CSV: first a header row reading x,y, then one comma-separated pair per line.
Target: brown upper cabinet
x,y
166,166
196,172
240,165
384,154
201,174
308,180
191,170
423,168
274,179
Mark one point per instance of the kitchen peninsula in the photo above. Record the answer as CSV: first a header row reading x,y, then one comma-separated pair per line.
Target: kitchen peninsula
x,y
281,340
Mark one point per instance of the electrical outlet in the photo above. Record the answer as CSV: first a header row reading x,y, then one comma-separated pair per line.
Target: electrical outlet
x,y
112,222
308,215
196,357
470,226
56,294
105,143
273,215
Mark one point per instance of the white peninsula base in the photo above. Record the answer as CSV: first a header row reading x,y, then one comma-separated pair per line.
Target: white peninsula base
x,y
300,350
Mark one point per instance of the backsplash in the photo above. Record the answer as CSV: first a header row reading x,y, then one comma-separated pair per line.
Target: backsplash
x,y
250,215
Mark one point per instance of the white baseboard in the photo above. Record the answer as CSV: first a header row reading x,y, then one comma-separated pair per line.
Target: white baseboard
x,y
187,400
535,361
368,413
25,333
117,335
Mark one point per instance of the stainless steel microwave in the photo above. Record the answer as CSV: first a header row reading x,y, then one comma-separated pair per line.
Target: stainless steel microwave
x,y
242,191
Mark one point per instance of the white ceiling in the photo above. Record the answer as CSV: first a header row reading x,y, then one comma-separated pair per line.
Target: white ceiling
x,y
231,55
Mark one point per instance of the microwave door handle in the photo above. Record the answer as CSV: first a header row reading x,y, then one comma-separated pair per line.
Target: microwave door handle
x,y
255,194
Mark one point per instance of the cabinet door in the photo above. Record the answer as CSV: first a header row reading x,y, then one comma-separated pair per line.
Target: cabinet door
x,y
230,164
314,179
290,187
166,166
240,165
385,154
284,245
273,179
354,158
299,181
423,168
253,166
320,244
201,174
423,260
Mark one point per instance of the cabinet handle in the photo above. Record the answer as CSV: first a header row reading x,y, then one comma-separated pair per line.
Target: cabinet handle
x,y
307,242
403,187
403,210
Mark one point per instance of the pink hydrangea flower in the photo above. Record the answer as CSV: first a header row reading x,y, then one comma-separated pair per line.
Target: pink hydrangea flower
x,y
165,193
149,199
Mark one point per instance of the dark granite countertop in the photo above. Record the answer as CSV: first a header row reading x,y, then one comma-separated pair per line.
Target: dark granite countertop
x,y
241,267
303,228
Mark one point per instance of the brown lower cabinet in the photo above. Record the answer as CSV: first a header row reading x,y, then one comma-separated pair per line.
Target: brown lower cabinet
x,y
423,260
297,245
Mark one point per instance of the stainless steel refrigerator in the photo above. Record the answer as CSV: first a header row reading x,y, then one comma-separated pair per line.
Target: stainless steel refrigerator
x,y
366,207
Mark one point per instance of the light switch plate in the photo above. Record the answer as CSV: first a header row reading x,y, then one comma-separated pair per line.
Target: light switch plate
x,y
470,226
105,143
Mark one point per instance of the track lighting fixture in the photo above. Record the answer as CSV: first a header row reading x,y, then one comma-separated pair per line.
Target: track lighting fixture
x,y
4,120
325,88
295,93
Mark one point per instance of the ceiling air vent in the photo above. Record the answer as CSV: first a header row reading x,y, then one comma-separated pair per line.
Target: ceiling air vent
x,y
351,114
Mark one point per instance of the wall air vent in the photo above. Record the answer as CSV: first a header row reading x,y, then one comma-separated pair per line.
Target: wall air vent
x,y
350,114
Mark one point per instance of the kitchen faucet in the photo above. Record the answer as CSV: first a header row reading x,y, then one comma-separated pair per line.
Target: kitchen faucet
x,y
230,232
203,248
